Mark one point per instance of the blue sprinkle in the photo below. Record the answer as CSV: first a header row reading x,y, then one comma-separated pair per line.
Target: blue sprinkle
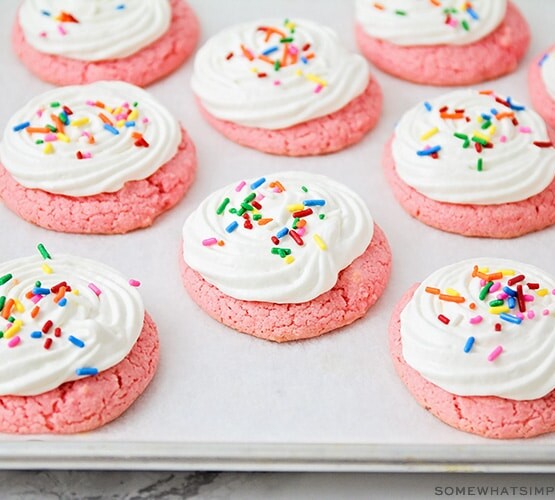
x,y
109,128
469,344
129,124
510,318
516,107
77,342
62,302
45,13
282,232
258,183
509,291
41,291
121,6
428,106
21,126
36,335
270,50
486,117
83,372
511,302
304,60
429,151
232,227
314,203
494,112
472,13
543,59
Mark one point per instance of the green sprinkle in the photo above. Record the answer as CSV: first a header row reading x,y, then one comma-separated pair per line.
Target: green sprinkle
x,y
1,334
479,140
465,25
63,118
277,65
247,207
480,165
495,303
256,217
401,12
43,251
2,302
282,252
38,284
11,319
295,222
4,279
135,104
250,197
486,124
322,216
223,204
241,211
304,188
55,104
286,40
232,210
51,128
39,141
484,291
464,137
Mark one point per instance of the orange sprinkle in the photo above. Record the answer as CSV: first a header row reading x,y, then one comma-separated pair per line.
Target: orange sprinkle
x,y
432,290
310,56
29,294
99,104
58,123
266,59
494,276
37,130
60,295
221,243
378,6
8,308
35,311
285,55
436,3
472,305
263,222
91,139
301,223
270,31
486,92
277,184
451,298
451,116
504,114
137,135
105,119
246,53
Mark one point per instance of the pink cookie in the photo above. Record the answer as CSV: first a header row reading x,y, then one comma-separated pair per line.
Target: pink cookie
x,y
150,63
305,96
490,57
80,346
478,367
541,99
287,256
86,404
327,134
103,170
358,287
483,167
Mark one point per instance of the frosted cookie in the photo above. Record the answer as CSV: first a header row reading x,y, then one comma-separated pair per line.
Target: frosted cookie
x,y
474,163
542,85
442,42
284,257
76,341
99,158
472,343
68,42
287,88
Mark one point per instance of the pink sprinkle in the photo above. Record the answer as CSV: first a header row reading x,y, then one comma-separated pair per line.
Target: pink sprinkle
x,y
121,116
528,298
42,34
95,289
545,312
125,105
318,88
525,130
496,286
553,292
135,283
40,112
453,23
36,298
531,314
90,103
87,155
276,190
277,82
240,186
503,138
502,296
520,315
476,319
62,30
482,282
293,50
301,231
50,138
259,197
209,242
13,342
145,120
495,353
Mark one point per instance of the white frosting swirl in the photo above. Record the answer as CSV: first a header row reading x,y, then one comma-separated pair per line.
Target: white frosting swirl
x,y
106,29
114,159
107,324
245,267
422,22
525,369
548,73
324,78
512,170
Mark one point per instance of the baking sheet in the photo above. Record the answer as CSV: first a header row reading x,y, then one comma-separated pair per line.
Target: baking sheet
x,y
229,401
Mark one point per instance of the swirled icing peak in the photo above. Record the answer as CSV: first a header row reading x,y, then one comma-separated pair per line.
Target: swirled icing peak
x,y
430,22
547,64
282,238
88,139
474,147
275,74
93,30
63,318
484,327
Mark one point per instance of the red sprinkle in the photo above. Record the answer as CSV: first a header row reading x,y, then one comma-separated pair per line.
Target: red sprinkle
x,y
275,241
497,327
48,343
256,205
533,286
58,332
47,326
303,213
515,280
520,298
229,56
296,237
543,144
443,319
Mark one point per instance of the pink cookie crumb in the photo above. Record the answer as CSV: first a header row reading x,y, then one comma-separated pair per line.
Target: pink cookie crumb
x,y
542,101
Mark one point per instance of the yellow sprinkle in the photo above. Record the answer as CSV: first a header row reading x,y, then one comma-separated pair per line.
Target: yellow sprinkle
x,y
499,309
75,292
254,70
484,270
479,119
299,72
481,136
133,115
450,291
542,292
120,124
320,242
48,148
10,332
46,269
290,25
289,259
316,79
507,272
110,110
117,111
79,122
62,137
19,307
295,207
429,134
492,130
